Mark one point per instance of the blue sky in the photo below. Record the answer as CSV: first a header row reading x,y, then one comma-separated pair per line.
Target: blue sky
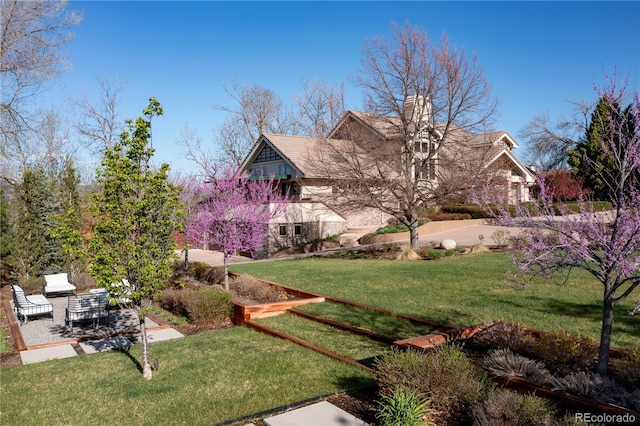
x,y
537,55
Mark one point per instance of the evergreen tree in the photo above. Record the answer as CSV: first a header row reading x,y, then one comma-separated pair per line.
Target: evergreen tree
x,y
29,256
592,161
66,230
6,235
137,210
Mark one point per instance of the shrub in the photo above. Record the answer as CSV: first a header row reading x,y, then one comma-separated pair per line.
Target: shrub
x,y
32,284
507,408
565,353
171,301
625,367
448,216
449,252
407,254
597,387
503,362
445,376
474,212
207,305
434,254
403,408
505,335
248,288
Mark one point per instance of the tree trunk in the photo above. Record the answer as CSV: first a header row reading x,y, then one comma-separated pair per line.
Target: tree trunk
x,y
605,337
186,257
226,273
414,237
147,373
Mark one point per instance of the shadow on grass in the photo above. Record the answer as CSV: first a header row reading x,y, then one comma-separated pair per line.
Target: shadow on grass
x,y
133,359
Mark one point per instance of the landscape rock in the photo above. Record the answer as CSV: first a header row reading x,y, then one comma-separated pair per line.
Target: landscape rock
x,y
448,244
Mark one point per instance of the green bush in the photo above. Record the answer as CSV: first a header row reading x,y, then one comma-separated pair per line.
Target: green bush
x,y
31,285
434,254
507,408
208,305
445,376
474,212
448,216
402,408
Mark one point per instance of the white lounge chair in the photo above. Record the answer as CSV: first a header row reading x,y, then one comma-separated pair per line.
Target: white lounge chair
x,y
57,283
30,306
87,307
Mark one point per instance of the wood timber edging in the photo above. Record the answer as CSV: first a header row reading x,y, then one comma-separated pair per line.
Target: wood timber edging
x,y
277,333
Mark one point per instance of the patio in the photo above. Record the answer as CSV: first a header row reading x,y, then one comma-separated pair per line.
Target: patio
x,y
41,338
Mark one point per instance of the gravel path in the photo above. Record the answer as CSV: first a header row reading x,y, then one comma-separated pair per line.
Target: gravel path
x,y
38,331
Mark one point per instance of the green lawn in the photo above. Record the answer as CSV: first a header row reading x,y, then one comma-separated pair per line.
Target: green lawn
x,y
203,379
460,290
343,342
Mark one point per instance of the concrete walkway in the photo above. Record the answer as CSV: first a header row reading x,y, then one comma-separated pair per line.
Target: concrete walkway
x,y
319,414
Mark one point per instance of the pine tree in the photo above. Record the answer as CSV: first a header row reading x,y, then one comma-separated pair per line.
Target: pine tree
x,y
590,160
29,256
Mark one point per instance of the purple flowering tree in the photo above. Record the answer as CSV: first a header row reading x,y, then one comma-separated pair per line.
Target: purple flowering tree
x,y
605,244
232,211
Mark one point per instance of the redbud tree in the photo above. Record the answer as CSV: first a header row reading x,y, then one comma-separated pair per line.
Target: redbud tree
x,y
232,212
605,244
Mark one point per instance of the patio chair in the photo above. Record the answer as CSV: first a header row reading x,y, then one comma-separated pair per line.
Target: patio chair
x,y
122,292
86,307
57,283
30,306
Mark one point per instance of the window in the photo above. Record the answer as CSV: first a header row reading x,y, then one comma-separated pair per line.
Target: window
x,y
426,169
284,170
267,154
282,230
297,229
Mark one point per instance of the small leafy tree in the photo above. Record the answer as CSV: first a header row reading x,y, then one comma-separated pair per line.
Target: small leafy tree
x,y
605,245
233,212
137,210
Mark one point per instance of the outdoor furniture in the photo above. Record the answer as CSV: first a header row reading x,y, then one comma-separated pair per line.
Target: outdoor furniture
x,y
86,307
57,283
30,306
121,292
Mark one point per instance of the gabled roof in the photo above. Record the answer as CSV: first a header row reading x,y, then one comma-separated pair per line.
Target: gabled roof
x,y
296,150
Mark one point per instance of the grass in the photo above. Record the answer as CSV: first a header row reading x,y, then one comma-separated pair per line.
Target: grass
x,y
343,342
203,379
371,320
459,290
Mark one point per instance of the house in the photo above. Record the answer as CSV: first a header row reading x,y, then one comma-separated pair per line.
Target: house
x,y
442,169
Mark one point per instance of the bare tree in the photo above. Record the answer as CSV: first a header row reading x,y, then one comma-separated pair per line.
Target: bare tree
x,y
257,110
547,142
425,104
319,107
31,42
101,125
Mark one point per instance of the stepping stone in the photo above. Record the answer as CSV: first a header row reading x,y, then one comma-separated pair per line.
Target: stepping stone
x,y
319,414
107,344
45,354
159,335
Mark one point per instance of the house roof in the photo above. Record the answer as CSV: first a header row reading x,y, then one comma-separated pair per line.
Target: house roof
x,y
300,151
